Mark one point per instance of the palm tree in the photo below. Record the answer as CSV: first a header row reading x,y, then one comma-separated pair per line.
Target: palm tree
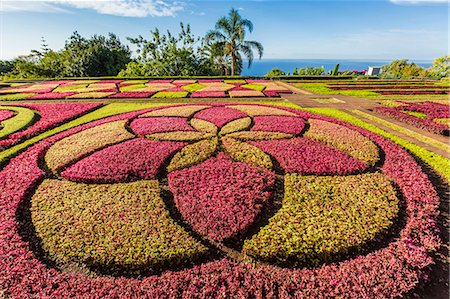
x,y
230,33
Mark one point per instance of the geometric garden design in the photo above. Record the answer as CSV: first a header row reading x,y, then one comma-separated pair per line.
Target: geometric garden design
x,y
215,200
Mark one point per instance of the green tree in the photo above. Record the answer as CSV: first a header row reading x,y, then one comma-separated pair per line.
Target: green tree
x,y
97,56
230,33
170,55
275,73
6,66
440,67
403,69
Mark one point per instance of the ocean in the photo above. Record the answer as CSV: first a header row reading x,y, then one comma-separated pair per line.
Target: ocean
x,y
263,66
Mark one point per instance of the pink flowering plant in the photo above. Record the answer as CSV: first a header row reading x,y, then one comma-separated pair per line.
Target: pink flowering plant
x,y
420,115
214,201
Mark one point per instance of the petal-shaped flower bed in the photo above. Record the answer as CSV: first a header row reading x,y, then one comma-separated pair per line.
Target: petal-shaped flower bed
x,y
150,125
325,216
112,218
219,115
70,149
140,159
348,141
220,198
310,157
282,124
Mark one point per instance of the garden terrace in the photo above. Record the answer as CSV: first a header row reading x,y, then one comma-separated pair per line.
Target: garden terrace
x,y
210,200
157,89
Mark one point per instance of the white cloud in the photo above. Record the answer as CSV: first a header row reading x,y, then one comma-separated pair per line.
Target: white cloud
x,y
420,1
125,8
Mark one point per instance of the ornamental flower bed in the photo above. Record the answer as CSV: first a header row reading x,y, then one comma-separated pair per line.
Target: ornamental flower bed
x,y
208,94
5,114
97,89
218,223
420,115
51,96
131,94
51,115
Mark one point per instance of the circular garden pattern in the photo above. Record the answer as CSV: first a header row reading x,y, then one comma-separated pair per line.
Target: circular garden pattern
x,y
215,201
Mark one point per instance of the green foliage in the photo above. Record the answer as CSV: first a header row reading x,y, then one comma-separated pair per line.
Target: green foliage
x,y
247,153
204,126
415,113
170,95
344,139
335,70
229,38
193,87
309,71
322,88
240,124
441,67
170,55
74,147
402,69
134,231
354,208
15,96
254,86
6,66
275,73
193,154
439,163
22,119
96,56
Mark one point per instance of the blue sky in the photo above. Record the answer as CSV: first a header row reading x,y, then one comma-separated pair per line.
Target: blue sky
x,y
342,29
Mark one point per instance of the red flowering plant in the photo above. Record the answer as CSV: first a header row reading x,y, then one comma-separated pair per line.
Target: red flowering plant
x,y
214,201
